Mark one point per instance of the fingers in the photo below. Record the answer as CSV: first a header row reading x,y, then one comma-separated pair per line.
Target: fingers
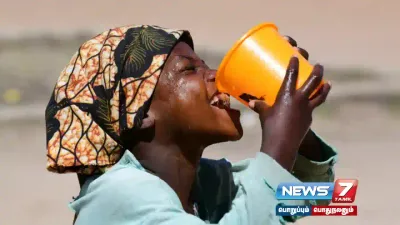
x,y
293,42
313,80
321,97
302,52
258,106
289,82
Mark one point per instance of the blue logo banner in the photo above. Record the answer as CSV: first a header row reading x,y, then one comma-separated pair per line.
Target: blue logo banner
x,y
305,191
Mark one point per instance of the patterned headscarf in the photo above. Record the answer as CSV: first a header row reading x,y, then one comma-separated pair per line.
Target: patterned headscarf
x,y
104,91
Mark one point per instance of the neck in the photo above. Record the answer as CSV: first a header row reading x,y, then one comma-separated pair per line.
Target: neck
x,y
176,164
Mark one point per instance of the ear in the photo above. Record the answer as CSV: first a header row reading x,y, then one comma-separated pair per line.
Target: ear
x,y
148,122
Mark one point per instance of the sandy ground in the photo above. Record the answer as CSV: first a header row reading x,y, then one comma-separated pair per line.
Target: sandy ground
x,y
366,142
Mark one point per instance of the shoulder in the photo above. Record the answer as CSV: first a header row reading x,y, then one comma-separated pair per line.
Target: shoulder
x,y
121,189
120,196
123,184
121,174
126,180
124,192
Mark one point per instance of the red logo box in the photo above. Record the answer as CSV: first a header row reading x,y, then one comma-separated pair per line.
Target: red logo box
x,y
344,191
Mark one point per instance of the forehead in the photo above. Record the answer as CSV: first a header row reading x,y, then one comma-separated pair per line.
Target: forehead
x,y
183,49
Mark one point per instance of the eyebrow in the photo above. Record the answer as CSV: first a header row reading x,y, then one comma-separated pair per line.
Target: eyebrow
x,y
185,57
188,58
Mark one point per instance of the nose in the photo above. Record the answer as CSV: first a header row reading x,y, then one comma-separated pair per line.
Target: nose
x,y
210,82
210,75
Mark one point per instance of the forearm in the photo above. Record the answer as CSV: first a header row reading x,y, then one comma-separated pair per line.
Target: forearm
x,y
281,150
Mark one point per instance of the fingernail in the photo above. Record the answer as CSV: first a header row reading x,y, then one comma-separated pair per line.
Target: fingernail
x,y
330,83
319,67
251,104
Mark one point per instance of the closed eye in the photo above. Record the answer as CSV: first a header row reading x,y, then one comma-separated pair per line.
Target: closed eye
x,y
190,68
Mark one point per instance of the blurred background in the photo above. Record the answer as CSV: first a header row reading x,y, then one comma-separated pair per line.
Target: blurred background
x,y
356,40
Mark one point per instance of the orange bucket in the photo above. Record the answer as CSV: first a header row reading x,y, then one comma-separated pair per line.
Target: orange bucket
x,y
255,66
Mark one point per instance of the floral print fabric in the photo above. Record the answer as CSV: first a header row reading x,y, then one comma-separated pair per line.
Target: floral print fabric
x,y
104,91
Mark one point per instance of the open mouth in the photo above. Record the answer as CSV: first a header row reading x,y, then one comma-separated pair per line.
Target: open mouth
x,y
221,100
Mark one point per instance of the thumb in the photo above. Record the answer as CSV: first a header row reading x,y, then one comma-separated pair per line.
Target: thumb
x,y
258,106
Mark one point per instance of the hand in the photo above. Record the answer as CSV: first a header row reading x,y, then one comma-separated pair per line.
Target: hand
x,y
310,147
285,124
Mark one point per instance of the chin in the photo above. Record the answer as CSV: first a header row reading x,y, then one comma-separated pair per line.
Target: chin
x,y
237,135
231,133
232,128
235,130
226,126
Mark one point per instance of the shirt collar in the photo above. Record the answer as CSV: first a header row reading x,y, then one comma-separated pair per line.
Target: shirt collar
x,y
129,159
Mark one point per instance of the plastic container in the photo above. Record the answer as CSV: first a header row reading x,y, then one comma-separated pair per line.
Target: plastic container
x,y
256,65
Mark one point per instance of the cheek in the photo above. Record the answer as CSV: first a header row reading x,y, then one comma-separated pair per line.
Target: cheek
x,y
191,91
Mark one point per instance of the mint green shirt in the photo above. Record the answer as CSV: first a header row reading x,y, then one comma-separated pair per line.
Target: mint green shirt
x,y
128,195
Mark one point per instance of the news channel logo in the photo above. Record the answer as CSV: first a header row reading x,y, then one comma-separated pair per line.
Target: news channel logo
x,y
340,191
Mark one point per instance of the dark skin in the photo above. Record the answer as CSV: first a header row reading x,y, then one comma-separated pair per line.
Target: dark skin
x,y
183,120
